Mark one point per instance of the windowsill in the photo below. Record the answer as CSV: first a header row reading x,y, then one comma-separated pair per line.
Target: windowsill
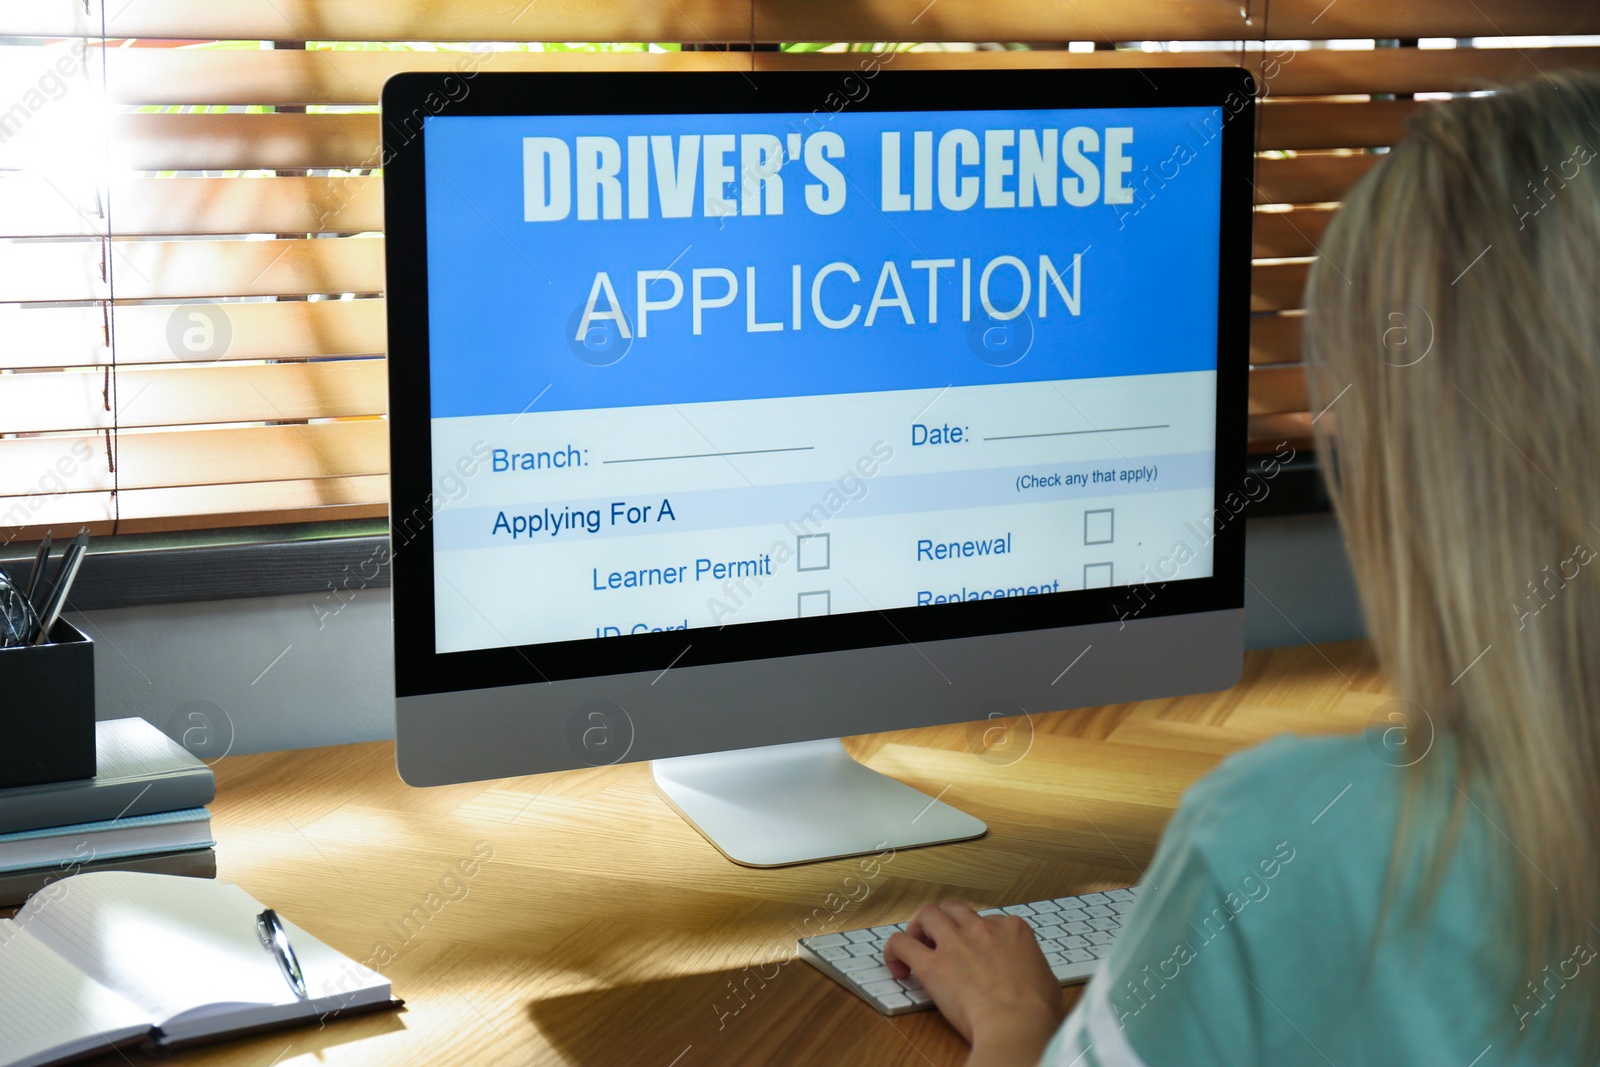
x,y
258,561
1297,489
225,564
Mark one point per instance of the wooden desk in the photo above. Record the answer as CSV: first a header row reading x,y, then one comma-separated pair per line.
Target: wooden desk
x,y
602,930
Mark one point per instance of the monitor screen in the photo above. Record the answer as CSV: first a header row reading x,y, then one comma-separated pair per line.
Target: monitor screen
x,y
739,409
704,370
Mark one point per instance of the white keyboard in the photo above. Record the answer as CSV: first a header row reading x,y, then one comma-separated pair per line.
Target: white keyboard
x,y
1075,933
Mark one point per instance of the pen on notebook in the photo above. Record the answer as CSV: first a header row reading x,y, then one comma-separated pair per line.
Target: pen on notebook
x,y
70,562
39,561
269,928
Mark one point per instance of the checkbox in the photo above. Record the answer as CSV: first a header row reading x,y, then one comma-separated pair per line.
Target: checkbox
x,y
1097,576
1099,526
813,552
818,602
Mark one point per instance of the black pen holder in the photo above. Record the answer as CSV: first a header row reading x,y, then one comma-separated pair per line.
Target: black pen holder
x,y
47,709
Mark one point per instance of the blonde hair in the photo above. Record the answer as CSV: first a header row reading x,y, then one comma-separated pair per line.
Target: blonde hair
x,y
1454,327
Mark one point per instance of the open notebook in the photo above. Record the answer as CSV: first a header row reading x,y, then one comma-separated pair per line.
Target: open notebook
x,y
117,958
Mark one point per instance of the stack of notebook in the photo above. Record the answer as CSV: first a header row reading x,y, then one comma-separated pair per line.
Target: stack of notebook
x,y
143,811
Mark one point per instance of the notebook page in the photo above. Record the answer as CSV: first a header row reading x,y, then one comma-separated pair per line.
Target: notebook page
x,y
186,947
169,944
51,1010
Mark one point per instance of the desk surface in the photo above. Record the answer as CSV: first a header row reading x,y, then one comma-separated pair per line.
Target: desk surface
x,y
604,930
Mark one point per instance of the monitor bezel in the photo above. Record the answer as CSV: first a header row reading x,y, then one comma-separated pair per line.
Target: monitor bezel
x,y
409,98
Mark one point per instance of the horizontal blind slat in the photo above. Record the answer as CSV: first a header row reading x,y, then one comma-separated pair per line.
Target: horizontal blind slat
x,y
1318,19
324,76
1275,338
157,270
168,459
280,77
157,142
999,20
1277,286
35,206
1266,432
1308,124
1164,20
161,206
198,507
1280,72
177,396
1285,234
1274,390
391,20
204,142
155,333
1309,179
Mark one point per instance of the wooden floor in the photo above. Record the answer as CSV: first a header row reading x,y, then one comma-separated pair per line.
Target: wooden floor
x,y
598,928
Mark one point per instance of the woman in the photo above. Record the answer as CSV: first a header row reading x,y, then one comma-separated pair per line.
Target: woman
x,y
1428,893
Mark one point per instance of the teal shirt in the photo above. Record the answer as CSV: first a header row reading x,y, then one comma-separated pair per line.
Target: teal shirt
x,y
1254,941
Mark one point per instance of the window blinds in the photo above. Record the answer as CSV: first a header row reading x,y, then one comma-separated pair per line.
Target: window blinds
x,y
191,268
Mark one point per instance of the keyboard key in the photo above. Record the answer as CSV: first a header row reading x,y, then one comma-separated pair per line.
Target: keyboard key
x,y
883,933
1073,942
1097,937
1121,907
1018,909
1073,915
1048,947
878,989
1045,905
1103,924
1098,911
854,963
918,996
1055,959
868,975
1124,895
1077,928
991,911
895,1000
866,948
1100,952
837,952
1095,898
1078,955
910,985
859,936
826,941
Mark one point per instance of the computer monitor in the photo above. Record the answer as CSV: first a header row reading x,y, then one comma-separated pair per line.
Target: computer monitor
x,y
734,413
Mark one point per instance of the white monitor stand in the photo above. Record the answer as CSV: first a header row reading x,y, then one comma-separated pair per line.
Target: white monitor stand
x,y
801,803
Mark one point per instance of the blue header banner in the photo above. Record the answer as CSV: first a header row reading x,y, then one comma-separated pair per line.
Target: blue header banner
x,y
620,261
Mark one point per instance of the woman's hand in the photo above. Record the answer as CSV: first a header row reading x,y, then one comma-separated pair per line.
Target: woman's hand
x,y
986,973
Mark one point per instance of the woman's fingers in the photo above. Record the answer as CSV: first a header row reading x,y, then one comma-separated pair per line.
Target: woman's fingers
x,y
903,953
960,912
931,923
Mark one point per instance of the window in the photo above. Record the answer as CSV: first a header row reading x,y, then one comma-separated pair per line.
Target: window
x,y
191,262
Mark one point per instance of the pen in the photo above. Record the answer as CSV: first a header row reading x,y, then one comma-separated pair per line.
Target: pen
x,y
58,594
38,569
269,928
